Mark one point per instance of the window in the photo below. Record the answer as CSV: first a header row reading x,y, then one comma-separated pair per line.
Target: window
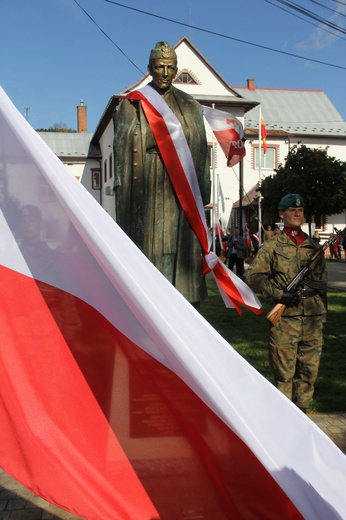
x,y
105,170
268,160
211,155
110,166
186,77
320,221
95,178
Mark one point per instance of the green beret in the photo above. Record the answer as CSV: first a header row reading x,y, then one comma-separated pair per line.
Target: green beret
x,y
292,200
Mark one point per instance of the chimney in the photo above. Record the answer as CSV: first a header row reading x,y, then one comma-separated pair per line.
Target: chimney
x,y
251,84
82,125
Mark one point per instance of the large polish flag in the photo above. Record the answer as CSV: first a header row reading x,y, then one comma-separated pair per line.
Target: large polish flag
x,y
117,399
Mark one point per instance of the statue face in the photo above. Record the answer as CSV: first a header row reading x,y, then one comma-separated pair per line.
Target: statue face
x,y
163,71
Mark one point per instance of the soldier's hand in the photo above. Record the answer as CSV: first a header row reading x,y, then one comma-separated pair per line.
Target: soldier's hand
x,y
290,299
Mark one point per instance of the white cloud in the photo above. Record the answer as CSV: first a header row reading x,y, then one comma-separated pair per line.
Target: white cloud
x,y
323,37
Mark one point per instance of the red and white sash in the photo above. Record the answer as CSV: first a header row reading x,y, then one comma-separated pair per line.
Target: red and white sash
x,y
178,161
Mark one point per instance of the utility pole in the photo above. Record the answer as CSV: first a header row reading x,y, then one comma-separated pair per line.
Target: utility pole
x,y
241,194
27,110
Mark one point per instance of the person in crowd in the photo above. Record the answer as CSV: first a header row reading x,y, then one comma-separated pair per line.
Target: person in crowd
x,y
316,237
296,341
336,249
343,243
255,243
235,252
268,233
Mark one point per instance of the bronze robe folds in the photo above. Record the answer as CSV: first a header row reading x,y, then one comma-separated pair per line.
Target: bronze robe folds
x,y
147,208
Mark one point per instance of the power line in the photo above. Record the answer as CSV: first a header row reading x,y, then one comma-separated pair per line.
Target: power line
x,y
201,30
311,14
224,36
108,37
328,8
304,20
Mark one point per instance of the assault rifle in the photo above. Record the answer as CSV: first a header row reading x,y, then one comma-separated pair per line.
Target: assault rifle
x,y
298,281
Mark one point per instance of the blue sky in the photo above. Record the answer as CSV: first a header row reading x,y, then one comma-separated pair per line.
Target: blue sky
x,y
53,55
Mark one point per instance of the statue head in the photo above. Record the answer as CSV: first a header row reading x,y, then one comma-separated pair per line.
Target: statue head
x,y
162,65
162,50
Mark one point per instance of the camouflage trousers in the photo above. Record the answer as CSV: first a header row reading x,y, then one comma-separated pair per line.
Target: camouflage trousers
x,y
295,348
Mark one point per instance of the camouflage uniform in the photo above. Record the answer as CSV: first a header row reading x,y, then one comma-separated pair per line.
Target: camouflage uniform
x,y
295,343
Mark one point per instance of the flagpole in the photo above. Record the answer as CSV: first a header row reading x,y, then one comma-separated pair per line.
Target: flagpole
x,y
217,197
217,216
214,188
259,176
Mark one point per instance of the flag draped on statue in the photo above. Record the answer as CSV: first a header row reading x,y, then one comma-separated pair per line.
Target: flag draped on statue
x,y
229,132
176,155
117,399
264,136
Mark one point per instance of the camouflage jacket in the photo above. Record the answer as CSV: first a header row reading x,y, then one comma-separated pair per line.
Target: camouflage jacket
x,y
277,262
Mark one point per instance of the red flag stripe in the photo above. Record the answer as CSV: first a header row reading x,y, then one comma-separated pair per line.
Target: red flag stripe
x,y
264,136
49,404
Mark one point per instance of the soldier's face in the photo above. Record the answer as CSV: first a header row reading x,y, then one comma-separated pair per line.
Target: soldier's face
x,y
163,71
292,217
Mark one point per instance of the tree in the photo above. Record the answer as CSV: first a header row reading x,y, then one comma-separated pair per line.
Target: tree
x,y
320,180
57,127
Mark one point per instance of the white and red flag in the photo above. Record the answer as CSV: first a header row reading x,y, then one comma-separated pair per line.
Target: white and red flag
x,y
229,132
117,399
264,136
220,234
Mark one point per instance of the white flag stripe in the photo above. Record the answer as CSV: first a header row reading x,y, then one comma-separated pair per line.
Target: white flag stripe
x,y
182,149
249,297
217,120
301,458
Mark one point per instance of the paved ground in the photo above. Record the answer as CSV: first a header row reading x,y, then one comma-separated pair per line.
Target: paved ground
x,y
337,274
17,503
333,425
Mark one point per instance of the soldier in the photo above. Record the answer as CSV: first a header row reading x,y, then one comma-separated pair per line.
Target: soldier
x,y
296,341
